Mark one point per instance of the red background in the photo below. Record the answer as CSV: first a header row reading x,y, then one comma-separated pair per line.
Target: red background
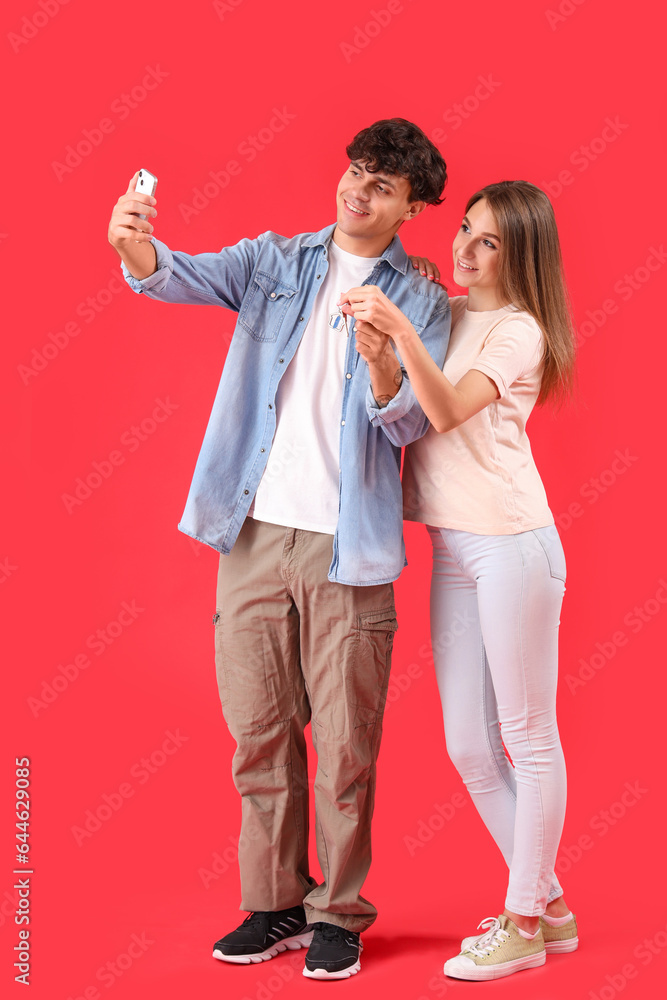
x,y
552,81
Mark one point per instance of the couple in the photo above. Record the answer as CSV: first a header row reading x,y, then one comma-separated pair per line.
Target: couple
x,y
336,363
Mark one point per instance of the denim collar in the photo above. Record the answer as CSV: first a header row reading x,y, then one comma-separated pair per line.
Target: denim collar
x,y
394,254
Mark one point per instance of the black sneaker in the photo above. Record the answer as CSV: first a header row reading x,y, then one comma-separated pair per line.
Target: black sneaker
x,y
333,953
263,935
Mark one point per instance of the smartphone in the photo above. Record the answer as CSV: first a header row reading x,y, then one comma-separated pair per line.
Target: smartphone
x,y
146,184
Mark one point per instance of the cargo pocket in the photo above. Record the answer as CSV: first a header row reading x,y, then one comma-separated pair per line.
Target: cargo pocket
x,y
265,305
220,671
375,633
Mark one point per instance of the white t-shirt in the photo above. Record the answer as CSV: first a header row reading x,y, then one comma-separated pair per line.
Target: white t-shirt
x,y
299,488
480,476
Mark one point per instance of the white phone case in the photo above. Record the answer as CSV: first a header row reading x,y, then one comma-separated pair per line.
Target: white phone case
x,y
146,184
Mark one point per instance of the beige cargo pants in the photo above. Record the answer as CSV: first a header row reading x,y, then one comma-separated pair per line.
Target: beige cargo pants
x,y
292,647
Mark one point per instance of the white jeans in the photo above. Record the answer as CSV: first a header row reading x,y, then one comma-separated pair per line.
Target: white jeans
x,y
495,610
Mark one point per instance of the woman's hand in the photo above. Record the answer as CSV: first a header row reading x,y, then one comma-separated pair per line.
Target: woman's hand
x,y
376,321
368,304
425,267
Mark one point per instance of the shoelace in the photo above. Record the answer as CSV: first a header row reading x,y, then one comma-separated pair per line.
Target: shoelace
x,y
332,932
257,917
491,939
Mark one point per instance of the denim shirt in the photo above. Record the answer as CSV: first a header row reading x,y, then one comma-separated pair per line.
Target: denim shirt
x,y
271,282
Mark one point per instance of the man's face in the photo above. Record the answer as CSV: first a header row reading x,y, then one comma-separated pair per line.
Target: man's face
x,y
373,205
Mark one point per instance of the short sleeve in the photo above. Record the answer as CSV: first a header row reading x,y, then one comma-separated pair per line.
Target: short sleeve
x,y
512,350
458,304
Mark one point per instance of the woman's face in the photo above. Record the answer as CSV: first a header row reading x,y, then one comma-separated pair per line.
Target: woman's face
x,y
476,249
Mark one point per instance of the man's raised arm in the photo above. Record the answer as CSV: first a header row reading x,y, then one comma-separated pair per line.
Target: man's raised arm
x,y
216,279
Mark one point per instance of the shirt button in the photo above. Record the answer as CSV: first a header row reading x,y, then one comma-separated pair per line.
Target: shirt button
x,y
282,361
300,319
270,406
245,492
262,450
273,295
348,375
318,275
342,423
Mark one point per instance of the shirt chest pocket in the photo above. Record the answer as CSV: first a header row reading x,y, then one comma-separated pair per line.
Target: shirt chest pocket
x,y
265,305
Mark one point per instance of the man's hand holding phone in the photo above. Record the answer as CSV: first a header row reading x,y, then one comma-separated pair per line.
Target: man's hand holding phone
x,y
131,214
130,228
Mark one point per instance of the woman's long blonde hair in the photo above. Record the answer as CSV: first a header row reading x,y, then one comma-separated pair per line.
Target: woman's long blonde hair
x,y
530,274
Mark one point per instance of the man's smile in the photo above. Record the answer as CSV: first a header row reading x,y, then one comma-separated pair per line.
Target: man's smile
x,y
353,209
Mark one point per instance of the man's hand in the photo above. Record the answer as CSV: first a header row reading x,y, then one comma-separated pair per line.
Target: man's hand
x,y
369,304
372,344
125,226
375,348
130,235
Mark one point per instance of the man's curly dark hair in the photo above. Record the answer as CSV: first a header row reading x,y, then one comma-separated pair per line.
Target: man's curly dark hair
x,y
396,146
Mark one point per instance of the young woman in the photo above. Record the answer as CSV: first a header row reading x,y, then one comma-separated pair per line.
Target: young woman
x,y
498,563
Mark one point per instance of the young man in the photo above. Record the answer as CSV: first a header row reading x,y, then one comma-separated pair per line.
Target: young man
x,y
297,486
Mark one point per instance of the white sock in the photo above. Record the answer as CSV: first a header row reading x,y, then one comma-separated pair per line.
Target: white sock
x,y
526,935
557,921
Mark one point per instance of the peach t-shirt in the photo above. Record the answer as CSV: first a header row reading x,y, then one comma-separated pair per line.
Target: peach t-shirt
x,y
480,476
